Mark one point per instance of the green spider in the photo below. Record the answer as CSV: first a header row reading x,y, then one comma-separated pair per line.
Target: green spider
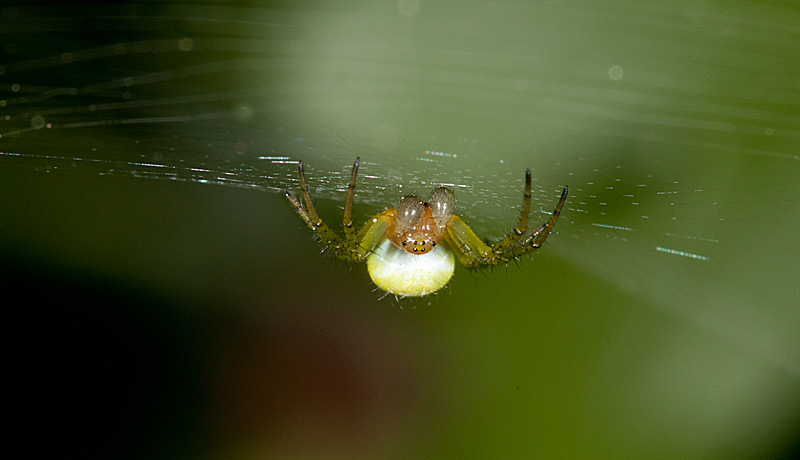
x,y
403,246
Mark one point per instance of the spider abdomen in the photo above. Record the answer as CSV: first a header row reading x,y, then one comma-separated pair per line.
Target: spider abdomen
x,y
404,274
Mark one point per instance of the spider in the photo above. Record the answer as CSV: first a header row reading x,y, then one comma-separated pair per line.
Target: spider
x,y
409,249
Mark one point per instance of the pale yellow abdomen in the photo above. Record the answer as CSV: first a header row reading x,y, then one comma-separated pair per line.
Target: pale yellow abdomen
x,y
401,273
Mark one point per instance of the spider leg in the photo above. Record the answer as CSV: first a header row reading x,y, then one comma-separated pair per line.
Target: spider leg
x,y
354,247
510,241
537,238
469,249
299,209
526,205
347,221
474,253
372,232
308,213
361,245
330,239
311,212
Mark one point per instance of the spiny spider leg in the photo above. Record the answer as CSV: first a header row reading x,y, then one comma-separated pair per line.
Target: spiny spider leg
x,y
510,241
526,205
354,247
536,239
347,221
309,205
309,217
309,214
474,253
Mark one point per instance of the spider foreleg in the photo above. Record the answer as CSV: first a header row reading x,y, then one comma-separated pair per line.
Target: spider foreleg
x,y
474,253
538,237
321,232
343,249
507,248
373,231
470,250
526,206
310,211
347,220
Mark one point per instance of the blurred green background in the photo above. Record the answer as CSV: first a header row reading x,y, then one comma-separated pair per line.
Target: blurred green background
x,y
192,316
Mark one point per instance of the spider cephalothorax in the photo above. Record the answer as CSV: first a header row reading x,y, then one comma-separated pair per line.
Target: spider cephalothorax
x,y
406,248
420,226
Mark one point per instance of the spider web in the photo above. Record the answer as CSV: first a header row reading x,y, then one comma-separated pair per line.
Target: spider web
x,y
683,180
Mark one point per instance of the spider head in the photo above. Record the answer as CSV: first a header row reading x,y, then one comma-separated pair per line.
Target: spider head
x,y
415,228
422,238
